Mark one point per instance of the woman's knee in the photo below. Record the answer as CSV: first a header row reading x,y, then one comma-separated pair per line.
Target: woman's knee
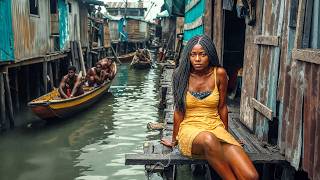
x,y
210,141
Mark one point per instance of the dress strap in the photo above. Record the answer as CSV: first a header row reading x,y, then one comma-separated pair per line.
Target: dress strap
x,y
215,77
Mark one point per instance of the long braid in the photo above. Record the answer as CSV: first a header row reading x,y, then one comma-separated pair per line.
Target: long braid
x,y
182,73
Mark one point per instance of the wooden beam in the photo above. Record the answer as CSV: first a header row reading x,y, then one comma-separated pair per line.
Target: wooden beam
x,y
306,55
264,110
39,59
8,99
16,86
208,18
266,40
50,73
173,159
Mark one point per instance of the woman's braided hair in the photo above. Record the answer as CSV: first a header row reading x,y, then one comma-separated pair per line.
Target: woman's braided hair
x,y
181,74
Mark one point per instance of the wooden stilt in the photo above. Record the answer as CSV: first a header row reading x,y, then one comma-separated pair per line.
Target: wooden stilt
x,y
72,53
44,76
2,104
16,86
37,84
27,75
89,62
8,99
56,73
115,55
50,76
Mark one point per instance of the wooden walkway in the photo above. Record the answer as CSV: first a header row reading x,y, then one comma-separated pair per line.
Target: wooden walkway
x,y
157,157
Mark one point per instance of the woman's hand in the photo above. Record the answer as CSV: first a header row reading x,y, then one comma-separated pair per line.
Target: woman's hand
x,y
168,142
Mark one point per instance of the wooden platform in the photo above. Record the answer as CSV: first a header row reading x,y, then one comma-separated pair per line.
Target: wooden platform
x,y
157,156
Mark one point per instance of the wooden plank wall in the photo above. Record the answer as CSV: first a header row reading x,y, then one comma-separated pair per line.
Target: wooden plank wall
x,y
250,70
272,22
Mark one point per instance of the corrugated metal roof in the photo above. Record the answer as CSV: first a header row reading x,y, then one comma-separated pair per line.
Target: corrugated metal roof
x,y
123,5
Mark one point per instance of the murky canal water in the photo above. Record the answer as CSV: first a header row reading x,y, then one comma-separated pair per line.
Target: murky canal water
x,y
92,144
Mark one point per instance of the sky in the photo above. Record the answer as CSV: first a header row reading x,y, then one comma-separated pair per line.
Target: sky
x,y
147,3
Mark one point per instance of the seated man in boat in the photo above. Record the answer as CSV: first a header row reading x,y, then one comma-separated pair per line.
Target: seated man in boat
x,y
96,75
140,53
108,68
70,85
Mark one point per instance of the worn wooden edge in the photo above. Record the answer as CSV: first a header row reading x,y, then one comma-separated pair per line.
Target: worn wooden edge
x,y
306,55
191,4
264,110
266,40
196,23
173,159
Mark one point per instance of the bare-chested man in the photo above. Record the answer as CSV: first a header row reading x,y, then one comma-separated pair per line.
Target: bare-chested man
x,y
96,75
70,85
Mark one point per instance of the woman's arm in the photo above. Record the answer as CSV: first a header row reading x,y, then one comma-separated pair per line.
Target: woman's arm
x,y
177,119
222,83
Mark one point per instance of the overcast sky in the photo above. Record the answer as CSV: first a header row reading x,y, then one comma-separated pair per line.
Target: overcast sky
x,y
147,3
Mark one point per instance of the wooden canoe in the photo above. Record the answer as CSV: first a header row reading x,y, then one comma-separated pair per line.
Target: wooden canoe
x,y
51,106
138,64
124,58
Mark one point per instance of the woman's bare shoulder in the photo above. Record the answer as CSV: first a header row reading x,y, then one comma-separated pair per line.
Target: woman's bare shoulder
x,y
221,72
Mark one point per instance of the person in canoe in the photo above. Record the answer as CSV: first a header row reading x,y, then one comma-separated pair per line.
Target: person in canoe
x,y
96,75
201,113
70,85
108,68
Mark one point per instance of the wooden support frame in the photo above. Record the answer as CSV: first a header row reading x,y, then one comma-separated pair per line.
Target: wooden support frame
x,y
2,103
267,40
8,99
306,55
264,110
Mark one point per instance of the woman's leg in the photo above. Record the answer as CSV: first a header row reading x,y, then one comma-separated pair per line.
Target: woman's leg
x,y
239,162
208,145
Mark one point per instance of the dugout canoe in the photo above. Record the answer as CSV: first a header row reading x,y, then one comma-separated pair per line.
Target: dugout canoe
x,y
51,106
124,58
137,63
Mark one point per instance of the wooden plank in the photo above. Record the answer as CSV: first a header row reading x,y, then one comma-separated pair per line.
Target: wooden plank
x,y
250,70
306,55
264,110
218,29
27,78
8,99
266,40
174,159
196,23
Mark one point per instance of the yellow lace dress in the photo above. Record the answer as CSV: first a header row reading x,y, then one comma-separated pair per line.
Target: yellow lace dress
x,y
202,115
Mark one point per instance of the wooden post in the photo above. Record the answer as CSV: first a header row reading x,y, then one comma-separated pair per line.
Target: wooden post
x,y
27,75
89,61
72,53
16,86
2,104
8,98
83,68
44,76
37,83
115,55
50,75
56,73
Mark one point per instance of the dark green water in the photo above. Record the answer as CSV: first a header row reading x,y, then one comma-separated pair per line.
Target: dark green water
x,y
91,145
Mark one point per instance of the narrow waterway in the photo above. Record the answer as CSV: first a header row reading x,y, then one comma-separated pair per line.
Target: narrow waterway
x,y
91,145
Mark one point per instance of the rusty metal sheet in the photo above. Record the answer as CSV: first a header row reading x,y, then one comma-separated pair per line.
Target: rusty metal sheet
x,y
31,32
